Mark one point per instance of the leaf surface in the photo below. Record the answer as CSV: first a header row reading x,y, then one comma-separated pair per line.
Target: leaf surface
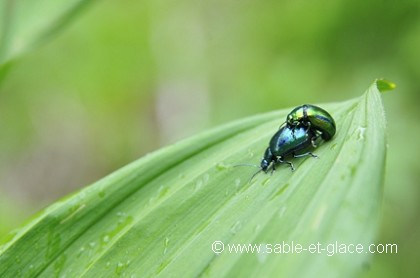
x,y
161,214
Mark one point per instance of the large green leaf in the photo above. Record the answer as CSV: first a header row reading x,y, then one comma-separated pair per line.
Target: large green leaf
x,y
161,214
25,24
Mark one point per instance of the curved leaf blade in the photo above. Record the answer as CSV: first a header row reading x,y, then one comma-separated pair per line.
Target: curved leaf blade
x,y
160,214
26,24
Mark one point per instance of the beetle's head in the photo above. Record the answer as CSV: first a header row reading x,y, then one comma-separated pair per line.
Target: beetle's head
x,y
267,159
264,164
292,120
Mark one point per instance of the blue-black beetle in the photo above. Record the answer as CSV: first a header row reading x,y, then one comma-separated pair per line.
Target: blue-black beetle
x,y
289,142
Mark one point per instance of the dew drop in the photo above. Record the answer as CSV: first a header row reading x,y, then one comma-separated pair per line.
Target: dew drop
x,y
353,170
198,185
265,181
221,166
206,178
101,193
236,227
257,228
81,250
280,191
237,182
282,210
105,238
163,190
262,254
165,244
120,268
361,133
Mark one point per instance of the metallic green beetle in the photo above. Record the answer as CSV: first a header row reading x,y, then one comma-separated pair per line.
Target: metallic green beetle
x,y
288,142
313,117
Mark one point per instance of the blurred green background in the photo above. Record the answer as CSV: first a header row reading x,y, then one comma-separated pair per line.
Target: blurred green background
x,y
127,77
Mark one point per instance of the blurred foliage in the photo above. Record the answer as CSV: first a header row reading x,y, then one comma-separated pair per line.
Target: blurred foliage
x,y
125,78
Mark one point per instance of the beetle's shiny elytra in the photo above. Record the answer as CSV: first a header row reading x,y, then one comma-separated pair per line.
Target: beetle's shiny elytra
x,y
304,125
313,117
288,142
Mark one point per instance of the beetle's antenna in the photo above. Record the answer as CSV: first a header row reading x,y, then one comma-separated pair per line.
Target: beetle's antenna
x,y
254,175
282,124
253,165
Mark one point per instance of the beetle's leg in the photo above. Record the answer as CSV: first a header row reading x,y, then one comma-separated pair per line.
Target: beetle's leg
x,y
314,138
273,168
305,154
288,162
313,141
308,124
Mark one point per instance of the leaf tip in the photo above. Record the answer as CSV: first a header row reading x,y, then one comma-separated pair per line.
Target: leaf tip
x,y
385,85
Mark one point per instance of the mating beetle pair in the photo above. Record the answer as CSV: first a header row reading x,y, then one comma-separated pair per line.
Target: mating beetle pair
x,y
304,125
